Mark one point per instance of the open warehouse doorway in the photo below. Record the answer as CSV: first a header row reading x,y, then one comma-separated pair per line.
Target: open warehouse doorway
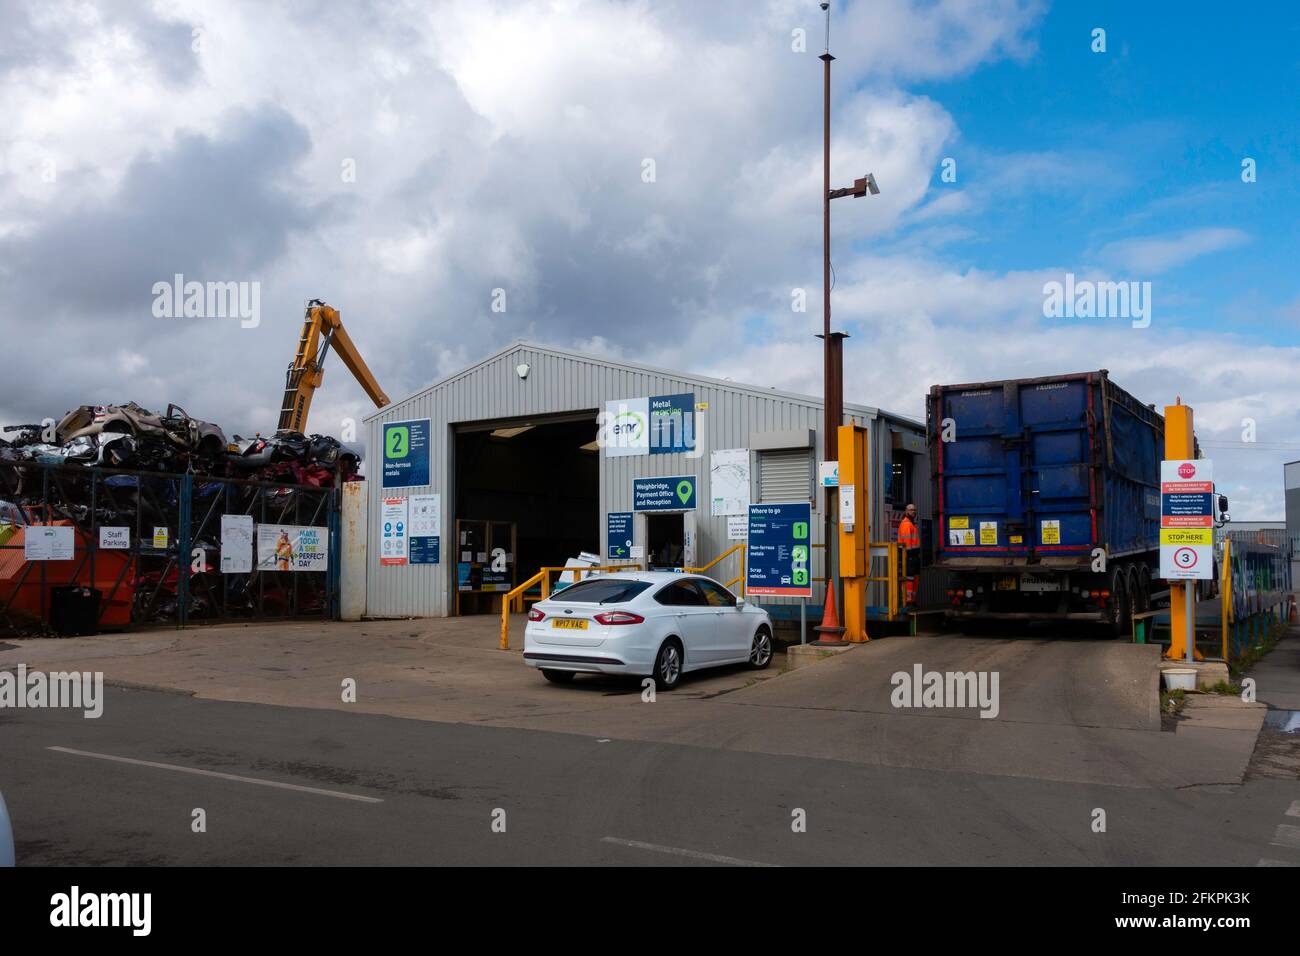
x,y
527,496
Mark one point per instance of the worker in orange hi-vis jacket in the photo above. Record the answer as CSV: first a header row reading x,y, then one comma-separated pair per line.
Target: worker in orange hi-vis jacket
x,y
909,536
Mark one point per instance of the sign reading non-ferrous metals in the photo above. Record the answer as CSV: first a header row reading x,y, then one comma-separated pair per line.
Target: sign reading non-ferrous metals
x,y
664,494
285,547
406,454
1187,519
778,560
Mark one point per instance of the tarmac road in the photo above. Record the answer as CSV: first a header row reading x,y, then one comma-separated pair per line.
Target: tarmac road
x,y
429,793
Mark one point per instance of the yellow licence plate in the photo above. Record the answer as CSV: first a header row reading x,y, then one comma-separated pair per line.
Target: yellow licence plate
x,y
1005,584
571,624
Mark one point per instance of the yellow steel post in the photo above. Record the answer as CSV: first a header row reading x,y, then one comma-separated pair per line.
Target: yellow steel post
x,y
1225,593
854,538
1180,443
892,563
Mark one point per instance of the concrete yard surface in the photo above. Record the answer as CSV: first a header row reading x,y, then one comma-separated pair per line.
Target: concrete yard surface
x,y
1068,710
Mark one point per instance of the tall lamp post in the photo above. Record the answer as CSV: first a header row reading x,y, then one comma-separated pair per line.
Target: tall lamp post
x,y
831,634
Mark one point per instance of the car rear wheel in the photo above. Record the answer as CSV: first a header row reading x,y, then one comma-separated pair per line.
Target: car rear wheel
x,y
558,677
668,665
760,652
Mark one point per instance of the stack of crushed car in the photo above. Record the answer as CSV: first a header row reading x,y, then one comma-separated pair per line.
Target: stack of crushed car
x,y
129,436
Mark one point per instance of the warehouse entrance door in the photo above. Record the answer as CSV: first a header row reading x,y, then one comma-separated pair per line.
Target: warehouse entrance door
x,y
670,539
539,474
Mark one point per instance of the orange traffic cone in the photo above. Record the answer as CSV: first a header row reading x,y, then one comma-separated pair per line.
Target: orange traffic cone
x,y
832,634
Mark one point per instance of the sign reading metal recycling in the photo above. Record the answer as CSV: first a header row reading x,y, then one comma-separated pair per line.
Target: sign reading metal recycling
x,y
1187,519
655,425
406,454
778,560
664,494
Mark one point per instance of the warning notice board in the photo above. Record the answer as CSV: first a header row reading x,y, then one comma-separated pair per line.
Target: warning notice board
x,y
1187,520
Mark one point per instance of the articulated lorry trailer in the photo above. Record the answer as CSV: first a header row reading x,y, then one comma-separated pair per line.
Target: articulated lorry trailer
x,y
1047,499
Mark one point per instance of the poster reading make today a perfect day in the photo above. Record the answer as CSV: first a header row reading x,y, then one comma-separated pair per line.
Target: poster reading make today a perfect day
x,y
292,548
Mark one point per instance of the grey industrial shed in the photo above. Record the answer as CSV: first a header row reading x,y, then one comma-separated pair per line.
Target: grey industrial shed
x,y
529,385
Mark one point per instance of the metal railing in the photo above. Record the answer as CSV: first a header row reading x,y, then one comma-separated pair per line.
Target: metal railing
x,y
515,597
1255,590
738,579
892,552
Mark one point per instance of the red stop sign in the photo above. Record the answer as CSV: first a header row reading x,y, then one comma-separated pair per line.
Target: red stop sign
x,y
1186,470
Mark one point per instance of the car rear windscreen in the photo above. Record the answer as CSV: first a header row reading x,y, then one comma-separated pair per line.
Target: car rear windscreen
x,y
602,591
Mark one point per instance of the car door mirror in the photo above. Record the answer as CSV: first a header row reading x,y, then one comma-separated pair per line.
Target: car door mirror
x,y
740,602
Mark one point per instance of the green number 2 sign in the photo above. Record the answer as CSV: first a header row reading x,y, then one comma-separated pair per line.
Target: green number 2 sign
x,y
398,443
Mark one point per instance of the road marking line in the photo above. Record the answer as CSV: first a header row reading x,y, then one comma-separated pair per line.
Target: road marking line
x,y
678,851
221,776
1268,862
1286,835
1294,810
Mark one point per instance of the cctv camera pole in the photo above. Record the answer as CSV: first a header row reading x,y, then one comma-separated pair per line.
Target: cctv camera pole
x,y
830,631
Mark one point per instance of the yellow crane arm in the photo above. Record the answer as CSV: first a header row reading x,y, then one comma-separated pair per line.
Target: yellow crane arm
x,y
322,328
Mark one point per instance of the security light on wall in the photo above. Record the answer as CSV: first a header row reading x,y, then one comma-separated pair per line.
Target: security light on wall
x,y
522,370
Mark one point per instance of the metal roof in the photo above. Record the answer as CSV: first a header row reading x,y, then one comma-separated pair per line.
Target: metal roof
x,y
811,400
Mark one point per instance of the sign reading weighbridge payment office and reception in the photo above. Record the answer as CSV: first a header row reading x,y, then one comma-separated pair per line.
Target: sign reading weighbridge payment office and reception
x,y
406,454
664,494
657,425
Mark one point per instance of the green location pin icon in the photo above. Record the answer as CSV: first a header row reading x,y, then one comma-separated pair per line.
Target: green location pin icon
x,y
684,491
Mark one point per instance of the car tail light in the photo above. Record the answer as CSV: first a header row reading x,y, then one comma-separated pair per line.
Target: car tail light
x,y
618,617
536,615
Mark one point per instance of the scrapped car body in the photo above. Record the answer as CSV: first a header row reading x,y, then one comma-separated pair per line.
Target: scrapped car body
x,y
644,623
177,427
129,436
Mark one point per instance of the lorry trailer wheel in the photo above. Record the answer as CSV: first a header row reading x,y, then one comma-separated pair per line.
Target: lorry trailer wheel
x,y
1118,606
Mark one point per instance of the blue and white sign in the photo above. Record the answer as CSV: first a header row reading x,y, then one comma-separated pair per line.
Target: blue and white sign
x,y
406,454
657,425
424,518
664,494
672,423
778,560
618,532
625,428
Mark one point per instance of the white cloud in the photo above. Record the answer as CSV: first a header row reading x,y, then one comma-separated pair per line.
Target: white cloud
x,y
501,145
1152,255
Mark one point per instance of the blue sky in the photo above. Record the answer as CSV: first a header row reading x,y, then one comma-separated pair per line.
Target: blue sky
x,y
501,144
1143,140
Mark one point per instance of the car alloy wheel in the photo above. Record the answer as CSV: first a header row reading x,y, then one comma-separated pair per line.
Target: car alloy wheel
x,y
760,653
668,666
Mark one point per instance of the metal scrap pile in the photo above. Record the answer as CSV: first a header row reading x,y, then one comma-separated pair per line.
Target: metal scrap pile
x,y
131,437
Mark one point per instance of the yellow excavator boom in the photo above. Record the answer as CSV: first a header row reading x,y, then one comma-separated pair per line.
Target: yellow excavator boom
x,y
322,329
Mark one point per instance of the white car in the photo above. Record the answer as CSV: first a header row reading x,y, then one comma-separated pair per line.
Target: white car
x,y
6,836
644,623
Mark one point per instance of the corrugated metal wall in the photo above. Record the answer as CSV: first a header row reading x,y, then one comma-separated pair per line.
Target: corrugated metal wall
x,y
562,382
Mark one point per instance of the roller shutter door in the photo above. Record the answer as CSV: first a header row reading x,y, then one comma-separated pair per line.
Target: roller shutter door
x,y
785,475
